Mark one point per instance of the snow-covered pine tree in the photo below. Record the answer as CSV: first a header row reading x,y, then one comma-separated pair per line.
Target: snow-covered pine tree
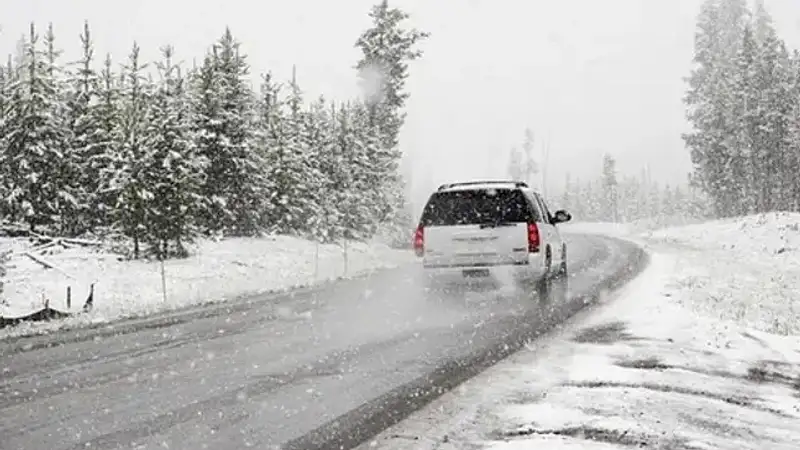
x,y
130,184
610,186
720,28
777,101
267,138
338,177
7,75
357,211
381,184
791,163
567,201
208,129
13,93
35,140
175,170
398,218
654,203
68,187
668,210
744,146
105,147
679,199
789,102
626,192
322,138
387,48
300,178
224,120
596,203
83,84
285,133
5,79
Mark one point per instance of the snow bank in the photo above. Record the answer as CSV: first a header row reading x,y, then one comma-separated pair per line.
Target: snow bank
x,y
647,370
216,271
745,270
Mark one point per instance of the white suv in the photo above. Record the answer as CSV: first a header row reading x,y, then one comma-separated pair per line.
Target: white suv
x,y
483,228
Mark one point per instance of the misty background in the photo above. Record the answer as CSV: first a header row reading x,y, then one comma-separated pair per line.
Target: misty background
x,y
588,77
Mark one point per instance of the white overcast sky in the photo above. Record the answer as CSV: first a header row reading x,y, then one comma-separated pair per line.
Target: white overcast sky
x,y
595,76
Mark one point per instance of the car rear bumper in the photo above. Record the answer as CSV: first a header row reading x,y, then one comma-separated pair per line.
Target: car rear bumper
x,y
496,273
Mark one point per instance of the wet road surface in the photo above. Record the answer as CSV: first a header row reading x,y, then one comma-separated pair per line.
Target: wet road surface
x,y
319,368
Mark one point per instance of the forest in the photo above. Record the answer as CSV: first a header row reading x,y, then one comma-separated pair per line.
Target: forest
x,y
156,154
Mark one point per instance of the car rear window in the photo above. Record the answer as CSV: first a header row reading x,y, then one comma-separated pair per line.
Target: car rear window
x,y
476,206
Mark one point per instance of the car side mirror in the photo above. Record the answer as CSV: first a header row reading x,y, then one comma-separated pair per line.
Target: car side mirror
x,y
562,216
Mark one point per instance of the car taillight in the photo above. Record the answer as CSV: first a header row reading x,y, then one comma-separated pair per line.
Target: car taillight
x,y
533,238
419,241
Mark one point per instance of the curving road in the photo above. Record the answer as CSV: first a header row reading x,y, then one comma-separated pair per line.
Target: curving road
x,y
322,368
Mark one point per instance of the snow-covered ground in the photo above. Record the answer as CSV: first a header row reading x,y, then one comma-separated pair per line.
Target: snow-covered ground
x,y
217,270
699,352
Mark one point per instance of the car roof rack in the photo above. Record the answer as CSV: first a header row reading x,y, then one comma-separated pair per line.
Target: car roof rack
x,y
519,184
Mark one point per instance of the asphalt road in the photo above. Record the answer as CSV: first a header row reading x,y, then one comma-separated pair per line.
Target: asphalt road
x,y
325,368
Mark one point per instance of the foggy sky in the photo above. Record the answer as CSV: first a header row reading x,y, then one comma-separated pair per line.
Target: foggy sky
x,y
594,76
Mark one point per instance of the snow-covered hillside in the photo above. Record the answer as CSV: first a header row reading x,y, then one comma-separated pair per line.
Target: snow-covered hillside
x,y
218,270
694,354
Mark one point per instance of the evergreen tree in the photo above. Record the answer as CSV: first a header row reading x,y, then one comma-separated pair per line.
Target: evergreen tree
x,y
745,144
566,196
83,96
610,188
130,184
791,162
105,147
68,189
267,141
357,210
387,48
294,176
32,162
322,133
377,176
778,101
174,171
7,77
709,101
224,121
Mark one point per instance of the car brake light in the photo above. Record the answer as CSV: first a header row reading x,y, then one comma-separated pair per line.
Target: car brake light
x,y
533,238
419,241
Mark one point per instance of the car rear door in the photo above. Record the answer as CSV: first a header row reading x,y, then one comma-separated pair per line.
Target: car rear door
x,y
476,228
